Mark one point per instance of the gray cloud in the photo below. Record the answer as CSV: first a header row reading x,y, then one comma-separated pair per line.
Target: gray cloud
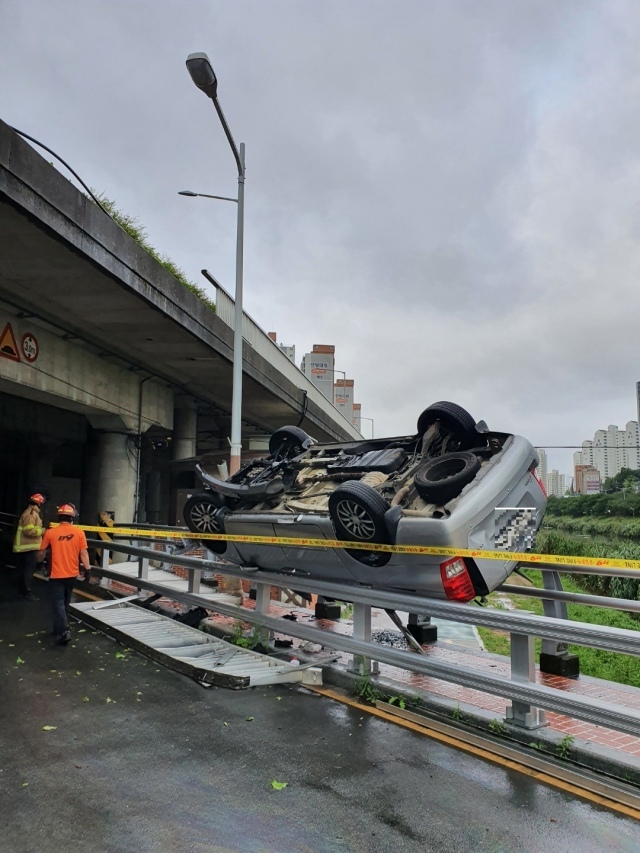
x,y
446,191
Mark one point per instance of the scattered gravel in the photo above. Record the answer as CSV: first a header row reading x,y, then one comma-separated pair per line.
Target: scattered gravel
x,y
388,637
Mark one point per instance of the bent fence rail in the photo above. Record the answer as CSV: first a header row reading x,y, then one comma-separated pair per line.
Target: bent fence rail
x,y
528,699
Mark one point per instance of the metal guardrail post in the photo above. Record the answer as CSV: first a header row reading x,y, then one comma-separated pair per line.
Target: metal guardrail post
x,y
555,657
523,669
104,564
360,664
263,605
143,568
195,577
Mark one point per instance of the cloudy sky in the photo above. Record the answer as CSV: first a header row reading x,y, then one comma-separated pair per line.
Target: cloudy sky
x,y
447,190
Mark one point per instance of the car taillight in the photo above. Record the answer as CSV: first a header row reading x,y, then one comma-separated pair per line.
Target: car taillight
x,y
456,581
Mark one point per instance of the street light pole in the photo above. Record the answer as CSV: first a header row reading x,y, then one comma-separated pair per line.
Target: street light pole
x,y
203,76
368,419
236,399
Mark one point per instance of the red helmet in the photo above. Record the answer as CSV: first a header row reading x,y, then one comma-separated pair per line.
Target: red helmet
x,y
67,509
37,499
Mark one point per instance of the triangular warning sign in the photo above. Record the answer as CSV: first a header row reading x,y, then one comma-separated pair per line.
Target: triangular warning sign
x,y
8,345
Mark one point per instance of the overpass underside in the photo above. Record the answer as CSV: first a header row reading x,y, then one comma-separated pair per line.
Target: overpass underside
x,y
111,370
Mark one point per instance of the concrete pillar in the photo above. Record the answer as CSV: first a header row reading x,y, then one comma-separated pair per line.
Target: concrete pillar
x,y
116,475
152,497
185,428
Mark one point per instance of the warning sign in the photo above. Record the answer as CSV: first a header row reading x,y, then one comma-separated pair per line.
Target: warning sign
x,y
8,345
30,347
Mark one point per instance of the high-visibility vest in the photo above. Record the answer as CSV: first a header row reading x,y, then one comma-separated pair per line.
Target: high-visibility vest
x,y
29,532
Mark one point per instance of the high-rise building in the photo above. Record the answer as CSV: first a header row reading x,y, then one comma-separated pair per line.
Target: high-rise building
x,y
587,480
343,397
611,450
319,366
357,412
543,469
290,352
556,483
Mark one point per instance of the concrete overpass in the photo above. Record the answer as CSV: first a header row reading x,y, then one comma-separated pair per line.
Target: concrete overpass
x,y
123,350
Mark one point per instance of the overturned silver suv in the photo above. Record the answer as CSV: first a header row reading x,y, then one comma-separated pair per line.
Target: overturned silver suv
x,y
454,484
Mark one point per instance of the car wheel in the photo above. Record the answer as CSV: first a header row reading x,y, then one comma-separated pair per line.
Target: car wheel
x,y
357,512
201,516
441,479
455,420
288,441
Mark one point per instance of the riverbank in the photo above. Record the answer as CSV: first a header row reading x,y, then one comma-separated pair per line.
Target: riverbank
x,y
614,527
597,663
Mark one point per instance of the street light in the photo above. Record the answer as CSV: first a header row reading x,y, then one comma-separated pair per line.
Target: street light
x,y
333,382
202,74
368,419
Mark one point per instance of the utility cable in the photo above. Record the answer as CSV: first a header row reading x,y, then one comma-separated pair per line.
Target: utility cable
x,y
65,164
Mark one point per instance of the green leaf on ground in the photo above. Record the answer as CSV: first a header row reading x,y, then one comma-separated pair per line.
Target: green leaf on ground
x,y
85,698
19,660
24,784
78,672
249,719
278,786
49,728
225,724
120,655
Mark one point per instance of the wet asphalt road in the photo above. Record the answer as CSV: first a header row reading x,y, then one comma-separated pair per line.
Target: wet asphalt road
x,y
157,769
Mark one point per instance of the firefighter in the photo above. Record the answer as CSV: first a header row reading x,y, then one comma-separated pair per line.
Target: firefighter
x,y
68,547
27,544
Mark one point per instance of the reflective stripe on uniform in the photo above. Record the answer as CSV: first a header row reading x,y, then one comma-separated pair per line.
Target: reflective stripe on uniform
x,y
27,538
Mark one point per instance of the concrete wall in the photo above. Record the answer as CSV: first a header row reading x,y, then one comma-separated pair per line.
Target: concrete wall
x,y
69,376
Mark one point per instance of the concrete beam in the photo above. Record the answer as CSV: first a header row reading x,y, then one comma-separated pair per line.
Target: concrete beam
x,y
114,294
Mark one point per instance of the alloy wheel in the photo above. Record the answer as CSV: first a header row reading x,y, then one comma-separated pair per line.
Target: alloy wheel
x,y
356,520
203,517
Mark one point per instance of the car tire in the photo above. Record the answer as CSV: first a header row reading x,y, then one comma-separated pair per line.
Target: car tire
x,y
288,441
441,479
358,515
453,418
201,516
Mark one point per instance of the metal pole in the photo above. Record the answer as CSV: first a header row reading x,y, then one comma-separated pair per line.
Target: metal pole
x,y
523,669
361,631
236,402
369,419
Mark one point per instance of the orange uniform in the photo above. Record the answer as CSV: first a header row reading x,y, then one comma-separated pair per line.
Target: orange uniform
x,y
66,542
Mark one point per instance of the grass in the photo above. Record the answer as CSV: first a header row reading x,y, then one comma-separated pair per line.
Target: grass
x,y
611,666
133,227
617,527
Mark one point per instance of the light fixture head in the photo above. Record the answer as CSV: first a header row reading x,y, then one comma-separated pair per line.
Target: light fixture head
x,y
187,192
202,74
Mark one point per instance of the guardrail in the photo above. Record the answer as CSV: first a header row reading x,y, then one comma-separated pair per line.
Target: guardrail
x,y
528,699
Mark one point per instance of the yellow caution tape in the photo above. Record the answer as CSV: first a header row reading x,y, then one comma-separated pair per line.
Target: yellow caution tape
x,y
420,550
